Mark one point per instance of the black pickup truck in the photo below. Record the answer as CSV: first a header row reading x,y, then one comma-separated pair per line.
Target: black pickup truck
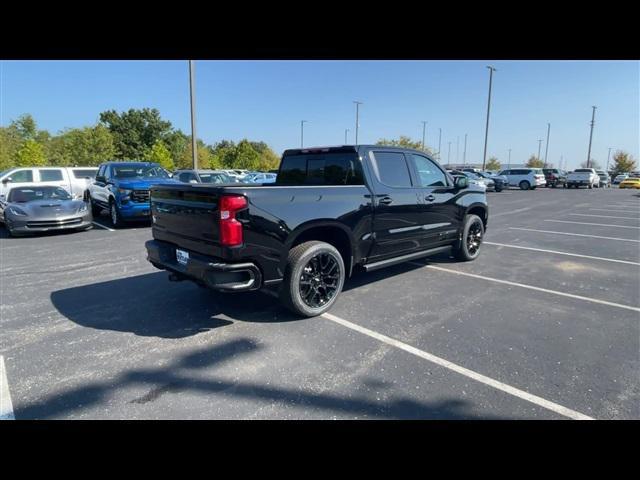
x,y
331,211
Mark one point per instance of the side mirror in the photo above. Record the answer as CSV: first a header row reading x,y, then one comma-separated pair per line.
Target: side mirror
x,y
3,198
461,182
6,180
101,179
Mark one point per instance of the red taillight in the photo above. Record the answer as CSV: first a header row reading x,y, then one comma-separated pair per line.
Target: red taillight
x,y
230,228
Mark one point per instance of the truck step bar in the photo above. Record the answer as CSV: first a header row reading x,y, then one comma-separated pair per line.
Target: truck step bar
x,y
405,258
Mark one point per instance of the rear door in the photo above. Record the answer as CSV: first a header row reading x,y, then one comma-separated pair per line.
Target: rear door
x,y
55,177
398,214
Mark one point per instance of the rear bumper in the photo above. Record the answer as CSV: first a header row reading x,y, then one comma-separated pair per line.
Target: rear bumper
x,y
208,271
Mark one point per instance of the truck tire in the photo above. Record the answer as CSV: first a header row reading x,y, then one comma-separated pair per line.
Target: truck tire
x,y
524,185
590,186
472,234
313,278
114,214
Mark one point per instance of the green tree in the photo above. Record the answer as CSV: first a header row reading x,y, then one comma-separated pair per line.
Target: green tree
x,y
623,162
534,162
493,164
30,154
246,157
159,153
25,126
87,146
135,131
205,158
9,146
405,142
177,143
268,160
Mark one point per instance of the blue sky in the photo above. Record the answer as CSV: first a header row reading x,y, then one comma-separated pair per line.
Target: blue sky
x,y
265,100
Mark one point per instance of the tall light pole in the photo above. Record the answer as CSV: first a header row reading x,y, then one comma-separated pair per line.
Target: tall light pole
x,y
302,122
194,143
509,161
449,155
357,118
346,130
593,118
608,157
464,155
546,150
486,132
458,149
439,143
539,147
424,130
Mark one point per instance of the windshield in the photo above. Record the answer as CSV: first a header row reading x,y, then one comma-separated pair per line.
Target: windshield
x,y
30,194
582,170
139,171
215,178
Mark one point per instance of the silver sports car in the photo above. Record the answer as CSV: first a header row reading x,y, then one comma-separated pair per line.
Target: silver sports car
x,y
34,208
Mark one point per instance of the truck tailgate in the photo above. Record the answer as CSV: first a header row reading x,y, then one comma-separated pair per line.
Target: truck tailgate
x,y
187,215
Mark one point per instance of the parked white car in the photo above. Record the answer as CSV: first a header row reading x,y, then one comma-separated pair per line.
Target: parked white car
x,y
261,178
525,178
620,178
583,177
74,180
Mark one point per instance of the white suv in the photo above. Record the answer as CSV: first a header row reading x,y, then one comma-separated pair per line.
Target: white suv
x,y
525,178
75,180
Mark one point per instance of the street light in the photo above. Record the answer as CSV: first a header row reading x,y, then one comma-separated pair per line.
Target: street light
x,y
546,150
593,118
357,118
194,143
449,155
458,149
346,130
424,130
486,132
608,157
302,122
539,146
439,143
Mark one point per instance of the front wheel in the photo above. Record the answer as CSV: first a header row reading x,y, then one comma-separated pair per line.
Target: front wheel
x,y
114,213
524,185
313,278
472,234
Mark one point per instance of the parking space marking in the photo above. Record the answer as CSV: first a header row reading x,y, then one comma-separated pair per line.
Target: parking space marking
x,y
6,407
531,287
593,224
102,226
574,234
613,210
603,216
562,253
519,210
516,392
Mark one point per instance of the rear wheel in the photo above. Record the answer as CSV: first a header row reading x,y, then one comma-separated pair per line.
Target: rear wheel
x,y
472,234
313,278
524,185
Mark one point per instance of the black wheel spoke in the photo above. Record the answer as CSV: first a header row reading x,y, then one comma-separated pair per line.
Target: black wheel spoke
x,y
319,280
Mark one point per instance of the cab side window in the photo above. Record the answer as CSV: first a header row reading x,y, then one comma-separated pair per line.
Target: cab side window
x,y
392,169
429,175
51,175
23,176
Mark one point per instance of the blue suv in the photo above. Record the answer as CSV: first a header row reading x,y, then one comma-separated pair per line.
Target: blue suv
x,y
123,189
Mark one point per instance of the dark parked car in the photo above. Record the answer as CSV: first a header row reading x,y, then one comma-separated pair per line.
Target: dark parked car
x,y
554,177
332,210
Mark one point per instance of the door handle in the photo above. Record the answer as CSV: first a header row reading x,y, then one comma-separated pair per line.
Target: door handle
x,y
429,198
385,200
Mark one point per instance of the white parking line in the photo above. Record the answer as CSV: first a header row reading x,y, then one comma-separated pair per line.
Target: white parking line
x,y
603,216
574,234
613,210
102,226
594,224
6,407
562,253
516,392
518,210
531,287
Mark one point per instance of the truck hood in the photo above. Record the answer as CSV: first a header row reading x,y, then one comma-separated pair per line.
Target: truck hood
x,y
145,183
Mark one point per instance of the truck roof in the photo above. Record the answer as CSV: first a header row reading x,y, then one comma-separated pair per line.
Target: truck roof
x,y
347,148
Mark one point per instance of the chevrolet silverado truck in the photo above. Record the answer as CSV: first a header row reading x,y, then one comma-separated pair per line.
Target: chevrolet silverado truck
x,y
332,211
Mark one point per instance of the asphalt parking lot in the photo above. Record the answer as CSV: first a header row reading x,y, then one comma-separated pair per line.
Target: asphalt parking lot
x,y
545,324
